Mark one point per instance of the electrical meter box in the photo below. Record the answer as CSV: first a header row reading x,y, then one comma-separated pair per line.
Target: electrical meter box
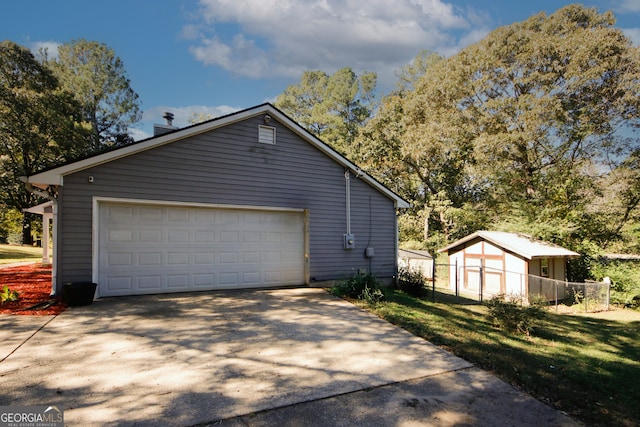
x,y
349,241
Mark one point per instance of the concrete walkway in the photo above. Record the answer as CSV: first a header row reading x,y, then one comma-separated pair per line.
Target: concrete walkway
x,y
278,357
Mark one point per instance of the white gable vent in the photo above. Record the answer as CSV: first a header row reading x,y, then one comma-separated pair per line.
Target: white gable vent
x,y
266,134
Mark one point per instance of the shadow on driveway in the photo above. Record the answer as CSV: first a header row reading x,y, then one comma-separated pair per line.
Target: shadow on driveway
x,y
184,359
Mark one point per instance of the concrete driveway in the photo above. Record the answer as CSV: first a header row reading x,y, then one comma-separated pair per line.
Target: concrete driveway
x,y
265,357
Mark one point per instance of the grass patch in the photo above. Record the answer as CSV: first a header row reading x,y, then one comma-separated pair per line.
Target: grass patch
x,y
588,367
11,253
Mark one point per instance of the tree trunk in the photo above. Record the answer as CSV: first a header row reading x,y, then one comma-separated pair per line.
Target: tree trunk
x,y
26,229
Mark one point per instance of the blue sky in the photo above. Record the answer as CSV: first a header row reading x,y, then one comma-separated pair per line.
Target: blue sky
x,y
218,56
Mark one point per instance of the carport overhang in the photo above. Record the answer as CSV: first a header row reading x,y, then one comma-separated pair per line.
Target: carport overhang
x,y
49,212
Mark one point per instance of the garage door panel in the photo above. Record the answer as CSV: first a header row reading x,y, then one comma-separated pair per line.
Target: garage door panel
x,y
178,258
229,279
154,249
117,284
251,277
229,237
150,214
150,259
116,235
251,257
204,258
118,258
150,236
251,237
180,215
273,277
273,257
177,281
206,280
204,236
228,257
150,282
120,212
178,236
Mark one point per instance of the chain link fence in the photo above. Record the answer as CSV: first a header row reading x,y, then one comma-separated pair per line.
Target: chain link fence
x,y
477,283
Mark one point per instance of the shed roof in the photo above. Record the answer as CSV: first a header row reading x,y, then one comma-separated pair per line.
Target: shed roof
x,y
622,257
42,208
519,244
55,176
414,254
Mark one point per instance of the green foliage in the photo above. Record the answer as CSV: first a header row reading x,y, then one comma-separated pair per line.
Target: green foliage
x,y
56,111
333,108
411,282
510,315
10,225
625,279
40,125
584,365
7,295
360,286
411,73
372,296
199,117
95,75
516,130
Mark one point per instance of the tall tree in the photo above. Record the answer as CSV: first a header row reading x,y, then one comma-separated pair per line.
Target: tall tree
x,y
539,108
39,125
96,76
434,177
332,107
412,72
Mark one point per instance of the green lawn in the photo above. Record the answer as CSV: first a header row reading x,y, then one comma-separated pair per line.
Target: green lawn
x,y
586,366
11,253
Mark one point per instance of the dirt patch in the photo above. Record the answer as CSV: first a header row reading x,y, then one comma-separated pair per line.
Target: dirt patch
x,y
33,284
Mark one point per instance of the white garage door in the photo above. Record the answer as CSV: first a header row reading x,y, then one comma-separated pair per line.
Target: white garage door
x,y
145,249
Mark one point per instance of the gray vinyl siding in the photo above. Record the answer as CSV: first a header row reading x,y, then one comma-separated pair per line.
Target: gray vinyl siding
x,y
228,166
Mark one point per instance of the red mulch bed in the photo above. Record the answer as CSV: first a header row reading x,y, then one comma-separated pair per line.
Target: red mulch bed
x,y
33,284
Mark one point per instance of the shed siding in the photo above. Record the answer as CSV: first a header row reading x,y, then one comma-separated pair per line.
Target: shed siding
x,y
228,166
559,272
535,267
516,276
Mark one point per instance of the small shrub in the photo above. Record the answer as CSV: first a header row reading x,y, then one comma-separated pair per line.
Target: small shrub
x,y
360,286
372,296
575,296
411,282
507,314
7,295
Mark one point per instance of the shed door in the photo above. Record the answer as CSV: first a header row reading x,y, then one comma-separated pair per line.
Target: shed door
x,y
147,249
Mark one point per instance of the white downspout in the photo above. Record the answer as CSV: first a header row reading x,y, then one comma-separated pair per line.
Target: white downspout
x,y
46,218
347,183
396,246
54,255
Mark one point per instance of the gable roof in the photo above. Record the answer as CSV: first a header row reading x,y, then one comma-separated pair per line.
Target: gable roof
x,y
55,176
414,254
519,244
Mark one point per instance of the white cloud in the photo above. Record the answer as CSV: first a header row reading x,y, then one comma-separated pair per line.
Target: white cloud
x,y
629,6
275,38
183,114
633,34
50,47
181,117
138,134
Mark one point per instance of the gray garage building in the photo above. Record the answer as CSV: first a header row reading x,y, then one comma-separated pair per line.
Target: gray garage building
x,y
246,200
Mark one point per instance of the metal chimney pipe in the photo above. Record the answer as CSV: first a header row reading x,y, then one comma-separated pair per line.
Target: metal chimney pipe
x,y
169,118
